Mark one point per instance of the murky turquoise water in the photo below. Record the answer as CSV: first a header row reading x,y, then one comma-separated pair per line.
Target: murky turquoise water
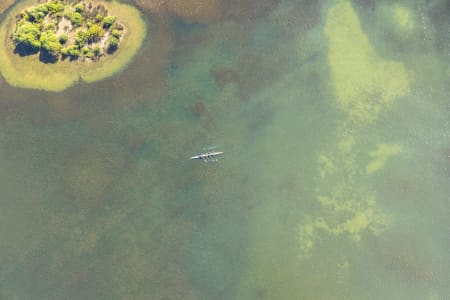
x,y
334,120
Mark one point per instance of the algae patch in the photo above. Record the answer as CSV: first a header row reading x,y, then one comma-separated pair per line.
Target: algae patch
x,y
403,17
381,155
401,22
365,85
364,82
28,72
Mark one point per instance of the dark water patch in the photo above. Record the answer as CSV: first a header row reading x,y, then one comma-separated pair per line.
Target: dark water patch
x,y
198,109
397,29
248,10
84,255
302,16
258,116
438,11
189,39
252,65
405,259
250,73
214,253
138,146
211,11
148,74
183,29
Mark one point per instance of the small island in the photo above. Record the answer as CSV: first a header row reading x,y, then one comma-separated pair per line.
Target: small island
x,y
52,44
68,29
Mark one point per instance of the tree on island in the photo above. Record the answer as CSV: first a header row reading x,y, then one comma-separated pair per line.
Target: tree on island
x,y
50,43
93,33
108,21
113,44
27,37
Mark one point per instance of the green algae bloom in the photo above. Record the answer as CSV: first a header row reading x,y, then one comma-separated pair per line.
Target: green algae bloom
x,y
29,72
399,21
381,155
403,17
364,82
365,85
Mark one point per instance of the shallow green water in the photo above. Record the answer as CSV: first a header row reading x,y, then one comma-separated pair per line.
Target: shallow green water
x,y
334,120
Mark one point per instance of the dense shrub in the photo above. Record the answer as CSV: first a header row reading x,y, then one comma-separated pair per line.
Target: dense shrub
x,y
64,51
63,38
23,16
79,7
108,21
55,6
41,8
80,37
35,15
50,42
115,33
27,34
50,26
76,18
94,33
97,51
72,51
98,18
113,44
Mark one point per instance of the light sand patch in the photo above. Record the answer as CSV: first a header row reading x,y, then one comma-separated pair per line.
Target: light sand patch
x,y
64,26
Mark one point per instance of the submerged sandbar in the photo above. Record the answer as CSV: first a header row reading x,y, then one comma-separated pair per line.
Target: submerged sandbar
x,y
31,71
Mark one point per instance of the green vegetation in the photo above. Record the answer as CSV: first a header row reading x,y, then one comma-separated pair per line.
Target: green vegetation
x,y
72,51
108,21
98,18
76,18
79,7
63,38
113,44
27,35
94,33
80,38
97,51
115,33
50,43
62,28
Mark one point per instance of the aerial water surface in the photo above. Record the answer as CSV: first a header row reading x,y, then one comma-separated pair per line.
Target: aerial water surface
x,y
333,117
